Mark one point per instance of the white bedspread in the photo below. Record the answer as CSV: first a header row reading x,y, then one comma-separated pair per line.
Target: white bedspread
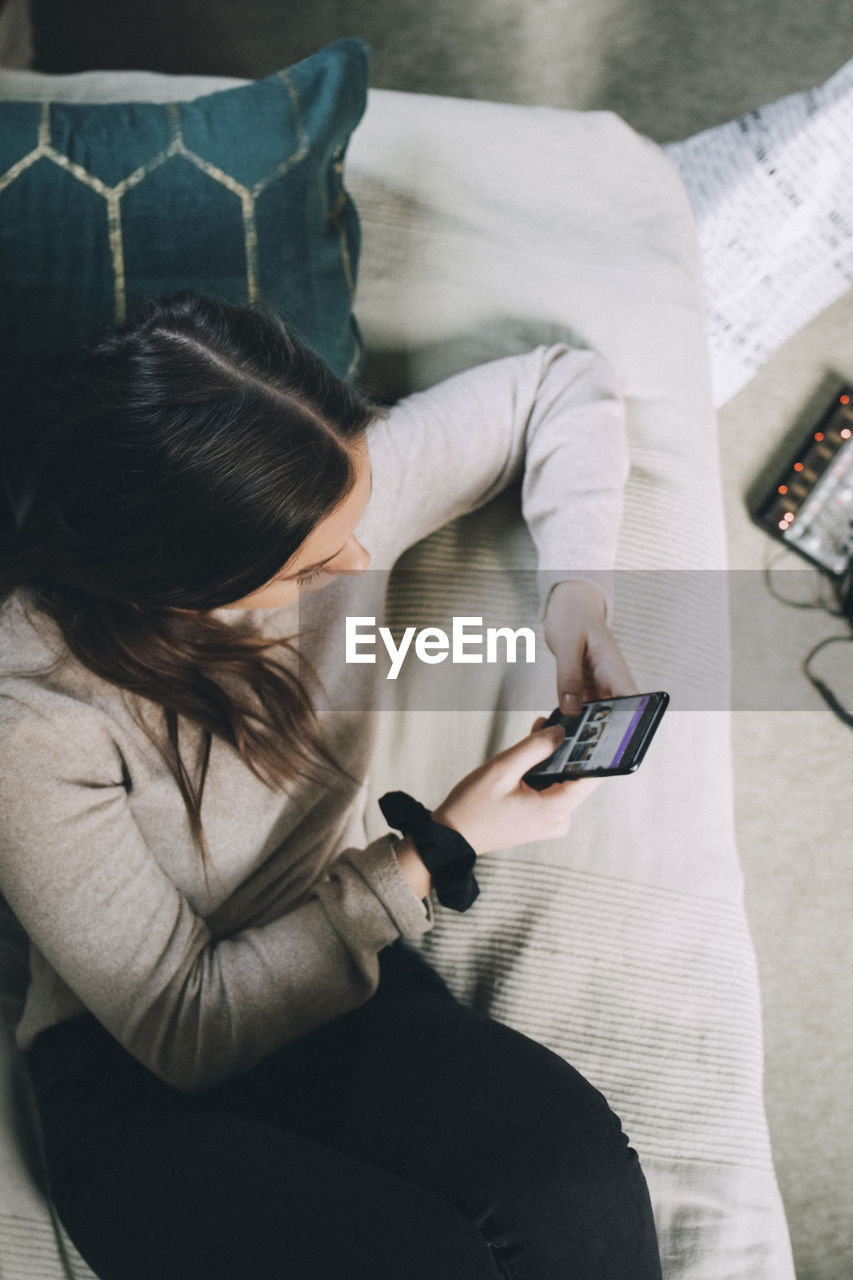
x,y
625,946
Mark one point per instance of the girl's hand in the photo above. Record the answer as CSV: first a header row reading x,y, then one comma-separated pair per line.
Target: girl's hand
x,y
589,663
493,809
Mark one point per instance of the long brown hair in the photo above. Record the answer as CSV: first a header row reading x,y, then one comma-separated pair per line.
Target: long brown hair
x,y
187,459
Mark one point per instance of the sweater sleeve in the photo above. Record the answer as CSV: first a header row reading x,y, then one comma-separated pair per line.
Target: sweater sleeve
x,y
553,418
78,875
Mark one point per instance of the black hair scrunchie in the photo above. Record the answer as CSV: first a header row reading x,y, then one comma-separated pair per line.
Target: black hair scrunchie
x,y
445,853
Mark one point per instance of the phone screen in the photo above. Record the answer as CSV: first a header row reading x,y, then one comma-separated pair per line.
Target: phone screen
x,y
601,737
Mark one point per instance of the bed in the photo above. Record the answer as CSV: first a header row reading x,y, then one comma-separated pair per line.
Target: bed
x,y
488,229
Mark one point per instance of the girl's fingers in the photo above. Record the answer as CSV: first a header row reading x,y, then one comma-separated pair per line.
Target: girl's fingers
x,y
578,788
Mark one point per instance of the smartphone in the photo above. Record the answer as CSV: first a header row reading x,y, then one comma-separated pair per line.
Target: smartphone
x,y
608,737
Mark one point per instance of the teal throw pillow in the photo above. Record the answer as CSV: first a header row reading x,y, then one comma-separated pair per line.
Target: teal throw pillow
x,y
238,194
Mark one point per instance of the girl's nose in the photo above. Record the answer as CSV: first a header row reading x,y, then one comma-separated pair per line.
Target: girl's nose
x,y
353,559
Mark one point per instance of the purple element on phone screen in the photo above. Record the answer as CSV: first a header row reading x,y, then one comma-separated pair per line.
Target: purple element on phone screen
x,y
641,706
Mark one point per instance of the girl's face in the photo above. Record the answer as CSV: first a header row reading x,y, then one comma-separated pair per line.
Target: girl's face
x,y
330,548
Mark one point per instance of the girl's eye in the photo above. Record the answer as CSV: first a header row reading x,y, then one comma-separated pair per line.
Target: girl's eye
x,y
305,578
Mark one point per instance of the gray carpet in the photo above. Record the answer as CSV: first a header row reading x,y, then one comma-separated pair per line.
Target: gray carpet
x,y
670,67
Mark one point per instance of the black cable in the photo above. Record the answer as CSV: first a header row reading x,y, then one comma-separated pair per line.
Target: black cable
x,y
823,689
842,590
825,578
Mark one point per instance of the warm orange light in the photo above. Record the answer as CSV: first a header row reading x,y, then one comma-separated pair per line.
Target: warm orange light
x,y
783,524
845,399
783,488
818,435
798,466
789,515
845,433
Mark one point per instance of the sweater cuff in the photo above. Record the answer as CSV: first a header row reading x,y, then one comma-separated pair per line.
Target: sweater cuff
x,y
377,864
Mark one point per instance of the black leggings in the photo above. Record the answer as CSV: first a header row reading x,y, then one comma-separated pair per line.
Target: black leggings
x,y
412,1139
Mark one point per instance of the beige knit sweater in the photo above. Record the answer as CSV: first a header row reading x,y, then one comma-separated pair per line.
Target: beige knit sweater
x,y
201,976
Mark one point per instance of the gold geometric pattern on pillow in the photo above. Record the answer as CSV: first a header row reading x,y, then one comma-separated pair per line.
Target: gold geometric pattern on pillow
x,y
44,150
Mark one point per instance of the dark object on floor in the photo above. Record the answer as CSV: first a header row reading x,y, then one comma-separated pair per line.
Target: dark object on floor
x,y
251,39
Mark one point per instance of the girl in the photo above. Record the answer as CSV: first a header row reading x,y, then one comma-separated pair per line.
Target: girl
x,y
240,1067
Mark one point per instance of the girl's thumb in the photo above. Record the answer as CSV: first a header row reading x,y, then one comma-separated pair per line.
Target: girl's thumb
x,y
535,747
